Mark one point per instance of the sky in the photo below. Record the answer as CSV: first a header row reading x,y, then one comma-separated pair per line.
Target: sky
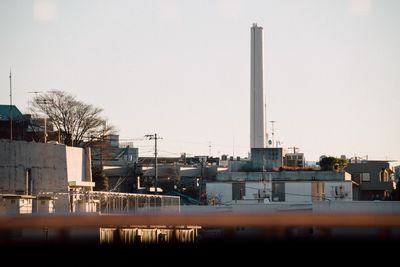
x,y
181,69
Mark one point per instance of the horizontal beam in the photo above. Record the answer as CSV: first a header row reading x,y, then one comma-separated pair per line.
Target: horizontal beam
x,y
285,220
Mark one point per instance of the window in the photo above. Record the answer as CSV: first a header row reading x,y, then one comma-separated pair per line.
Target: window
x,y
361,177
238,190
278,192
365,177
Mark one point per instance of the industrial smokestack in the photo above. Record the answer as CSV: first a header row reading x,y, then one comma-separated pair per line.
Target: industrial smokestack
x,y
257,108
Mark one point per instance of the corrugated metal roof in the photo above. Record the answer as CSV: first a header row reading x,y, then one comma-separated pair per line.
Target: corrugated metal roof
x,y
5,112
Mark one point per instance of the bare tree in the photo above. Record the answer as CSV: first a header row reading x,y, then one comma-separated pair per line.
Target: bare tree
x,y
76,121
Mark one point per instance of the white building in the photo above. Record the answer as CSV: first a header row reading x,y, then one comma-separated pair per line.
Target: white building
x,y
257,108
28,168
283,187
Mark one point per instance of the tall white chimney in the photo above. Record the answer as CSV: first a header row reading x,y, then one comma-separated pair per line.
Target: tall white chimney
x,y
257,108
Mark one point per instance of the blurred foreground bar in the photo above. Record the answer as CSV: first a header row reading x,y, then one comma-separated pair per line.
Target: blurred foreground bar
x,y
284,220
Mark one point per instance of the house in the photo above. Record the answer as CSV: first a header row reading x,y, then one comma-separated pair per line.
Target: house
x,y
373,179
279,186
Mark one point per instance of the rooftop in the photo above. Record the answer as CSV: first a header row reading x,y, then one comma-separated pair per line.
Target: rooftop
x,y
5,112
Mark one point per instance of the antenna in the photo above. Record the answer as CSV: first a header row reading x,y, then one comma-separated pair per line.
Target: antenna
x,y
209,148
233,147
11,118
45,103
273,133
35,92
294,149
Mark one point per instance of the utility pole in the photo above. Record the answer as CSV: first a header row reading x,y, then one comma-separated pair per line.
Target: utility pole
x,y
11,118
155,138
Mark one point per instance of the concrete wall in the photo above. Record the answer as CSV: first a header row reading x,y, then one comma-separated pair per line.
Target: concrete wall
x,y
45,206
51,166
238,165
252,188
76,170
299,192
333,191
268,158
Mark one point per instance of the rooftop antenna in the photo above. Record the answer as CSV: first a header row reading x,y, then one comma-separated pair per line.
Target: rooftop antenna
x,y
45,103
233,147
209,148
273,133
11,118
294,149
35,92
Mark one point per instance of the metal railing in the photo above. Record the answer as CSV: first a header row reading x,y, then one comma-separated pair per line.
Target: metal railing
x,y
108,202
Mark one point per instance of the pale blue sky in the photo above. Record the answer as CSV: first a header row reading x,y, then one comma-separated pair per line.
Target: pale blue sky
x,y
181,69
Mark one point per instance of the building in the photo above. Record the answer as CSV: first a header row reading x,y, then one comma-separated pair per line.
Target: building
x,y
28,168
266,158
257,108
20,124
281,186
372,179
119,161
296,160
24,127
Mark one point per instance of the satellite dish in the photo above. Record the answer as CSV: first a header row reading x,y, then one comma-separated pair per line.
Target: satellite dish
x,y
269,142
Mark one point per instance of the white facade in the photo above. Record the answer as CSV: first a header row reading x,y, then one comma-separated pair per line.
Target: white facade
x,y
298,192
293,191
257,108
30,168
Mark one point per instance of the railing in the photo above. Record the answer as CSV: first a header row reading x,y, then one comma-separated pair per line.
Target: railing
x,y
110,202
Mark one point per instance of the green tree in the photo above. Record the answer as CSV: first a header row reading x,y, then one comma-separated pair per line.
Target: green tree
x,y
332,163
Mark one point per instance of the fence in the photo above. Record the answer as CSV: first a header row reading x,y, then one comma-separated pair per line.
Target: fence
x,y
105,202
